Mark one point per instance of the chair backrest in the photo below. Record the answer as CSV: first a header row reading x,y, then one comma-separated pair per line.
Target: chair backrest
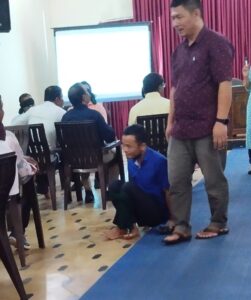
x,y
80,143
22,134
38,146
7,177
155,126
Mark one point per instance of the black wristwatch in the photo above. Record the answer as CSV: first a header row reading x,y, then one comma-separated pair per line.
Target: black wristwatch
x,y
222,121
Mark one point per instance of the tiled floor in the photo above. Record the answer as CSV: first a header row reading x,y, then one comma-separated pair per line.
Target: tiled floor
x,y
76,253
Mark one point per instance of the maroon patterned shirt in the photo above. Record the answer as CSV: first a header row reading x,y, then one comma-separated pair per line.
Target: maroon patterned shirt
x,y
197,71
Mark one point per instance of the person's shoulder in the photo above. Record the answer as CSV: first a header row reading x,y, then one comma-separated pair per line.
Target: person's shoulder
x,y
137,105
68,114
216,36
165,100
156,155
10,134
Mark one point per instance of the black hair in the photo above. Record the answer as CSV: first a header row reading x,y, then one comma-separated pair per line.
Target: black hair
x,y
89,90
52,92
26,105
75,94
138,131
24,96
188,4
151,83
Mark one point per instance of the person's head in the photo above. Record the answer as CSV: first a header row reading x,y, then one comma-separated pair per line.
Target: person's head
x,y
88,88
186,17
26,102
134,141
54,94
153,82
78,95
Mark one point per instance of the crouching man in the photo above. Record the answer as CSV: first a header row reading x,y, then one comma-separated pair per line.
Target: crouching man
x,y
142,200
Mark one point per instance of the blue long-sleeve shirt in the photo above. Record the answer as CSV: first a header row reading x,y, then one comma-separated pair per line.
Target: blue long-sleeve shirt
x,y
83,113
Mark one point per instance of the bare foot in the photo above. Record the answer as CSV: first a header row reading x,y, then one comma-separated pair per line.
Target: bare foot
x,y
172,237
176,238
209,233
133,234
114,233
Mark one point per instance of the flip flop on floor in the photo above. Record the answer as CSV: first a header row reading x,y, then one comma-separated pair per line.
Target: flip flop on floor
x,y
180,239
209,233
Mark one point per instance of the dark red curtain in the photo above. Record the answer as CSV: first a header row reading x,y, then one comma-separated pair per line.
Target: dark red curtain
x,y
229,17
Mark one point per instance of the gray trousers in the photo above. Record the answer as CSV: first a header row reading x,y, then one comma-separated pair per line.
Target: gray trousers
x,y
182,156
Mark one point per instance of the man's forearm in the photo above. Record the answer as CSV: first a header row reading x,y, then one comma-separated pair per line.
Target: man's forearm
x,y
224,99
171,112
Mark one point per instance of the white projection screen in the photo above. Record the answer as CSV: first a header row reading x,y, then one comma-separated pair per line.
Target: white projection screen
x,y
114,59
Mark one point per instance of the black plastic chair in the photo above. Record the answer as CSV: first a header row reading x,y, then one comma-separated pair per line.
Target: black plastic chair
x,y
38,149
82,152
22,134
7,176
155,126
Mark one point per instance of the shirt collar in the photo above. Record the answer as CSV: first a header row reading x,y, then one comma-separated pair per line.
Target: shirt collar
x,y
150,96
200,36
146,157
80,106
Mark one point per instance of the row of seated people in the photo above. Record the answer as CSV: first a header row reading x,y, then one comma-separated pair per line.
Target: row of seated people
x,y
80,95
51,111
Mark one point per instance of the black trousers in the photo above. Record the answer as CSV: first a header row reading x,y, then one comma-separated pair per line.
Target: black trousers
x,y
249,155
27,198
133,205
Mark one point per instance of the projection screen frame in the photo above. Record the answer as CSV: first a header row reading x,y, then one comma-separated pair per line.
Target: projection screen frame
x,y
110,25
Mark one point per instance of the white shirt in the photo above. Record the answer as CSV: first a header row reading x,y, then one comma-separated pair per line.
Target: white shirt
x,y
23,168
47,113
152,104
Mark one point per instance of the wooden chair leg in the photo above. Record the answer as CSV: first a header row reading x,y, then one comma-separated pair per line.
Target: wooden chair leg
x,y
10,264
67,186
78,187
52,185
102,181
16,220
30,202
61,175
38,223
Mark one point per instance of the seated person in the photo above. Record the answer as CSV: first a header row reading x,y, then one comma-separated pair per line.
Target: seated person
x,y
142,200
93,102
26,102
152,103
80,99
26,167
49,112
100,108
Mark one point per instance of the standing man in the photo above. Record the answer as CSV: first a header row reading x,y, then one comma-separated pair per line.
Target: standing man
x,y
198,118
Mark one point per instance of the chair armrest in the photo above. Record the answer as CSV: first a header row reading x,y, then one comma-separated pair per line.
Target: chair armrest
x,y
111,145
